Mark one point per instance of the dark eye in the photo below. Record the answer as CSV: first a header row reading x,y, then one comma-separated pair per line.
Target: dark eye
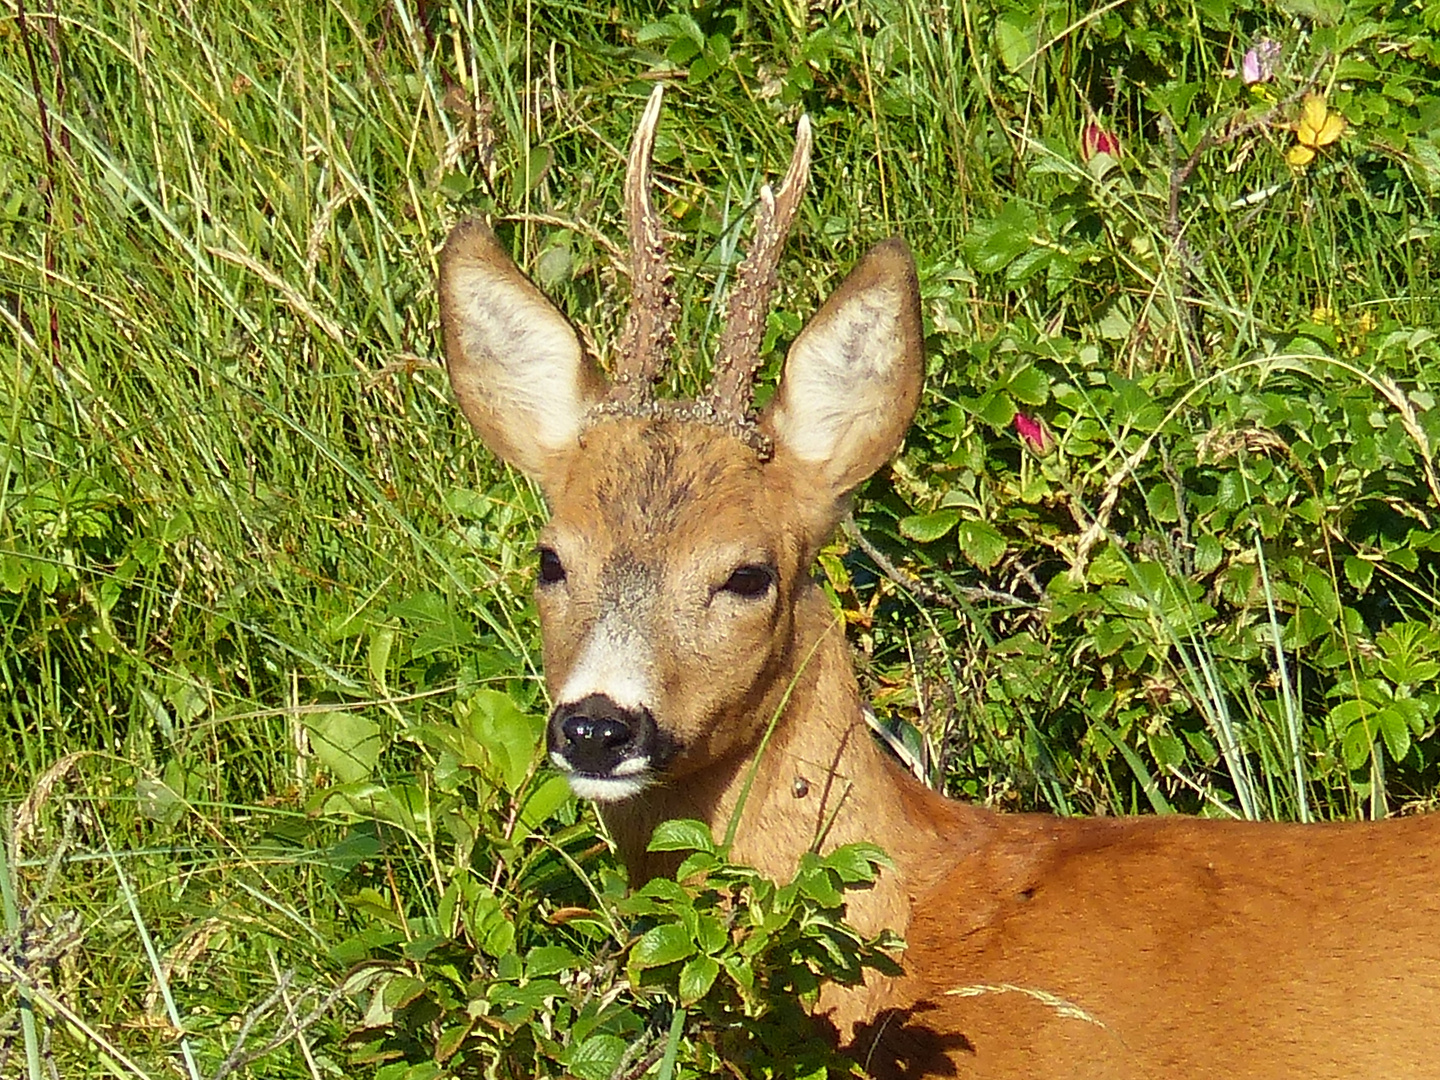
x,y
750,582
552,570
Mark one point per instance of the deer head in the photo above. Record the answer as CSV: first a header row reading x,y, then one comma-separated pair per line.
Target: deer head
x,y
682,532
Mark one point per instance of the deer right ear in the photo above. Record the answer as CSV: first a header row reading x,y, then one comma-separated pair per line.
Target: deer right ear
x,y
516,365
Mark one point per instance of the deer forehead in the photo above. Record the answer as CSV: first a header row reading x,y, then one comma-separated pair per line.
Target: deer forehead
x,y
656,492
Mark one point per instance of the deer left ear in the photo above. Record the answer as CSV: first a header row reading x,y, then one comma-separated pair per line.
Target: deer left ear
x,y
515,362
852,379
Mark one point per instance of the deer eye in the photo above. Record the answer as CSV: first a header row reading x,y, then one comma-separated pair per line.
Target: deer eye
x,y
750,582
552,570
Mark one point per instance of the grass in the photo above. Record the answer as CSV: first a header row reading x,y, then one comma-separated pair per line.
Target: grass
x,y
245,537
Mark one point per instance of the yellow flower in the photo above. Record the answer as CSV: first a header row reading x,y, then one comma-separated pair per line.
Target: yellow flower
x,y
1317,127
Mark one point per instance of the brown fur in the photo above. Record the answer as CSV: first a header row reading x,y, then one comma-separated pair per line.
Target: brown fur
x,y
1037,947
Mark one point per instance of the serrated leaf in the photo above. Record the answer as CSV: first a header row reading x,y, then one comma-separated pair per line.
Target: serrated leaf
x,y
696,978
997,410
710,934
739,969
992,245
982,543
1395,730
818,886
1160,502
548,960
660,945
1359,572
856,863
1208,554
698,862
402,991
662,889
1356,746
1322,591
597,1057
1030,386
682,834
452,1038
536,994
927,528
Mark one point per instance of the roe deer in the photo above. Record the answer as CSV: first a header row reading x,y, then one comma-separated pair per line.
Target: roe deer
x,y
679,618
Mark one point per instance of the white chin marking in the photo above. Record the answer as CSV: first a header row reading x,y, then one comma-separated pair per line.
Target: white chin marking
x,y
606,789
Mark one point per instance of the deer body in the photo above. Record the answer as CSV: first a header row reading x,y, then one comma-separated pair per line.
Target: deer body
x,y
680,620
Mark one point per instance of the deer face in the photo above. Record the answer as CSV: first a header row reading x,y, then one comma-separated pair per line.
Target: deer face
x,y
664,586
681,532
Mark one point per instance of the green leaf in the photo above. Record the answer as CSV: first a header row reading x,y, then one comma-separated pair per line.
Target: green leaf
x,y
1322,591
856,863
739,969
1359,572
927,528
597,1057
818,886
348,744
1030,386
437,626
1356,745
1167,749
1208,553
982,544
696,978
403,990
1016,40
682,834
997,410
548,960
381,643
660,945
662,889
1395,730
699,862
508,738
452,1038
537,993
1160,502
544,799
710,933
537,164
992,245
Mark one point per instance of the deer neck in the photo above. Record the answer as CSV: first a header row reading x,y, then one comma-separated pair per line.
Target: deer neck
x,y
820,782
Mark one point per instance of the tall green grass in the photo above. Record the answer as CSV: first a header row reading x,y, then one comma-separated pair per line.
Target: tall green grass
x,y
241,524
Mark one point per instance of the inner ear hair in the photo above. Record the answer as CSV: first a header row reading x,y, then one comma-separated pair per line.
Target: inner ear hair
x,y
851,382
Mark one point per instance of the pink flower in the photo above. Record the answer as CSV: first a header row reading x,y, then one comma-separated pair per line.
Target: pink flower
x,y
1258,64
1033,434
1094,139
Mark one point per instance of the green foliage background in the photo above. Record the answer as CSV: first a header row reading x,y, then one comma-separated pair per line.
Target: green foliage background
x,y
269,660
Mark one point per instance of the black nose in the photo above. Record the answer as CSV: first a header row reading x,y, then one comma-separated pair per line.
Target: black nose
x,y
594,735
587,729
